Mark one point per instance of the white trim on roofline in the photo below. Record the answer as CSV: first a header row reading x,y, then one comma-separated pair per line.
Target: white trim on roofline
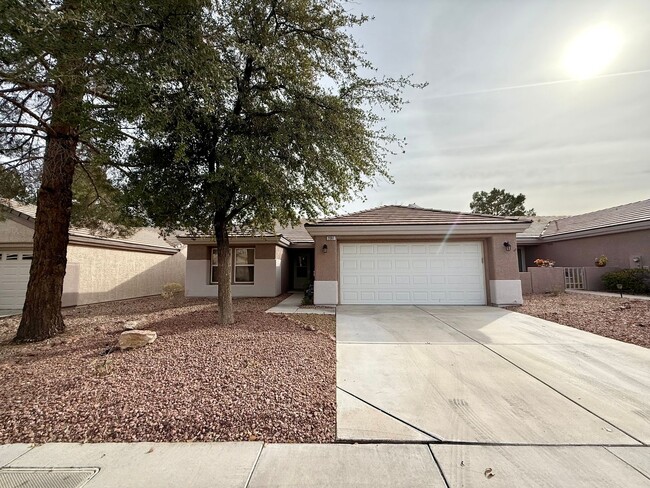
x,y
420,229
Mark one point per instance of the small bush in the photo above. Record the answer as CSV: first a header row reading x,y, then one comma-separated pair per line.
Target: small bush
x,y
633,280
170,290
308,299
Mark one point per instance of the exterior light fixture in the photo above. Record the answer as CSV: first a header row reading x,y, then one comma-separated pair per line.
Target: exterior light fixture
x,y
620,288
324,248
507,245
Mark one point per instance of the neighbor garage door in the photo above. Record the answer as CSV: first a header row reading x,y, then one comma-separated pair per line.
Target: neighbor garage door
x,y
14,274
412,273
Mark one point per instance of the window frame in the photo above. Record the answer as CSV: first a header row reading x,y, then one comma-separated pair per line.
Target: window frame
x,y
248,265
213,266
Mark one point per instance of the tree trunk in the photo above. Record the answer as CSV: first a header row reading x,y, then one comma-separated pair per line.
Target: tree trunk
x,y
224,273
42,310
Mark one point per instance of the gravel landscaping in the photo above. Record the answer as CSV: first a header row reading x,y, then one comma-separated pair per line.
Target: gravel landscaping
x,y
267,377
618,318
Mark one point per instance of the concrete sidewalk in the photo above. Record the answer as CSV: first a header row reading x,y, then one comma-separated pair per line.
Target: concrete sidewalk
x,y
293,304
257,465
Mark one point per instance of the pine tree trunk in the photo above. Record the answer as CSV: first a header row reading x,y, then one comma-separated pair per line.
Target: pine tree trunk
x,y
224,273
42,309
42,317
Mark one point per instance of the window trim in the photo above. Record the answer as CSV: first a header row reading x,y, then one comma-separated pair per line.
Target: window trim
x,y
235,265
213,253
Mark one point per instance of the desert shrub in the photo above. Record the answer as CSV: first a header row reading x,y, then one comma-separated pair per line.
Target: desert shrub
x,y
170,290
308,299
633,280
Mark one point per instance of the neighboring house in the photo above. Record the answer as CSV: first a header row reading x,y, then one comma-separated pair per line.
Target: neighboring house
x,y
621,233
99,269
387,255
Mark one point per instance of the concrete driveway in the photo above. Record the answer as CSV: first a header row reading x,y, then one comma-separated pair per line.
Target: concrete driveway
x,y
482,375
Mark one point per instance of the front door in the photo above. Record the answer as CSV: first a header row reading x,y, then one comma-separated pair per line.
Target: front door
x,y
302,269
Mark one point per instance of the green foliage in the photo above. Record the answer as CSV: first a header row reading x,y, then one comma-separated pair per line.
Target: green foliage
x,y
633,280
88,70
499,202
285,126
11,185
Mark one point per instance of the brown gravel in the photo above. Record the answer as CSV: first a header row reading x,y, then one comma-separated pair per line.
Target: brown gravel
x,y
263,378
620,319
322,323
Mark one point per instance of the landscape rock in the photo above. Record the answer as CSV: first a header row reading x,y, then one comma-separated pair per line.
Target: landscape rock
x,y
131,339
131,325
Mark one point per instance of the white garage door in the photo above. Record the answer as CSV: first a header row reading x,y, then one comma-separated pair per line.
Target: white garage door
x,y
412,273
14,274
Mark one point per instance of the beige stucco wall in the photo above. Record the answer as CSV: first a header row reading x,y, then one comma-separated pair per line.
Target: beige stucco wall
x,y
97,274
619,249
15,231
502,264
268,272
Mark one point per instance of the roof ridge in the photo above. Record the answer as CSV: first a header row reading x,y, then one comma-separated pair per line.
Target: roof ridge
x,y
424,209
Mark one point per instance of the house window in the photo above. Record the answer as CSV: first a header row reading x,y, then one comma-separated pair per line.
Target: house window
x,y
12,257
27,257
214,261
244,265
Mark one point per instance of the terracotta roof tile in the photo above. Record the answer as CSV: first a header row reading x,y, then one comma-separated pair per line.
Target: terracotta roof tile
x,y
608,217
410,215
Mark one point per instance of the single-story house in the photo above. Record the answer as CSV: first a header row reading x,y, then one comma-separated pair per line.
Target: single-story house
x,y
621,233
387,255
99,268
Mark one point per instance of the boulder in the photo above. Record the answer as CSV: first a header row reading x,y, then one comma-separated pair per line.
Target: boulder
x,y
136,338
131,325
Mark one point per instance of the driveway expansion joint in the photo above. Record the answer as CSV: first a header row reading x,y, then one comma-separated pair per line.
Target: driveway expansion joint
x,y
433,437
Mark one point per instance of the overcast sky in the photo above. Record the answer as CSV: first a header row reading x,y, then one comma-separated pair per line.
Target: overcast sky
x,y
569,147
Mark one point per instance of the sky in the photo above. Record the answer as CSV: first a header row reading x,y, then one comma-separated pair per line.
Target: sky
x,y
570,147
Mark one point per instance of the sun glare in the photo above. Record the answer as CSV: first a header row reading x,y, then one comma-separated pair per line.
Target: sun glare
x,y
592,51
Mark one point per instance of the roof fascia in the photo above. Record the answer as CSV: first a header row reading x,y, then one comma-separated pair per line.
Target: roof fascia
x,y
428,229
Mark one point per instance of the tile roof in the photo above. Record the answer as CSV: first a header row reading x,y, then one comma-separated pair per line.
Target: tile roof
x,y
608,217
146,236
296,235
411,215
537,226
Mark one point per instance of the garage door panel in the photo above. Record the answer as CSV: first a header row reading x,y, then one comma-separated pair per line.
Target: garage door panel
x,y
14,275
419,273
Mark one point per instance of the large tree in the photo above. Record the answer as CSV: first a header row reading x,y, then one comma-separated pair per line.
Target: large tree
x,y
73,75
499,202
290,128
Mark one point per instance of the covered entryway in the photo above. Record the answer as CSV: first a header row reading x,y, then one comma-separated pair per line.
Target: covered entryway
x,y
14,275
450,273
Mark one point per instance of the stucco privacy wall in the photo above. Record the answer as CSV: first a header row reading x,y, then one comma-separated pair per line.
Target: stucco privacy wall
x,y
268,272
504,285
97,274
619,249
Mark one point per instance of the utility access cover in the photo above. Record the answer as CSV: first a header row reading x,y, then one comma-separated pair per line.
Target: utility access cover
x,y
45,477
